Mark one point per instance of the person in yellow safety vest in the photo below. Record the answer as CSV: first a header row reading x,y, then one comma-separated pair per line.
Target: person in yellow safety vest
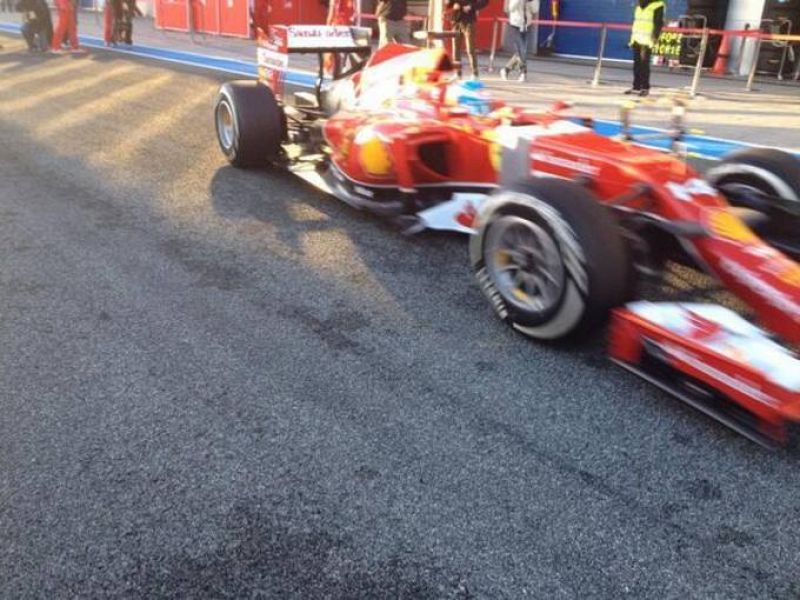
x,y
648,20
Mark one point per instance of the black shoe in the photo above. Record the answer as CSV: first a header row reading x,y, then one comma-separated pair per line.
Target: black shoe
x,y
630,91
644,93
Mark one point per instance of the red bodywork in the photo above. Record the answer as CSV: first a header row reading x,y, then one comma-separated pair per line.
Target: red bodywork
x,y
404,103
404,131
771,404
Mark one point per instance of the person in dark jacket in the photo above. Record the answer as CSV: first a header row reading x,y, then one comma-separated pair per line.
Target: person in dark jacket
x,y
391,24
37,26
648,20
464,14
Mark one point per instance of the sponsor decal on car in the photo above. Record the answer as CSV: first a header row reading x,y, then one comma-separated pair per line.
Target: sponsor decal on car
x,y
771,295
270,58
565,163
687,190
308,37
744,386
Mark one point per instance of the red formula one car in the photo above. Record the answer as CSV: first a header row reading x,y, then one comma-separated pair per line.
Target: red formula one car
x,y
563,220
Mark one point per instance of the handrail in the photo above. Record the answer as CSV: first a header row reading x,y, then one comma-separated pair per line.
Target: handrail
x,y
705,33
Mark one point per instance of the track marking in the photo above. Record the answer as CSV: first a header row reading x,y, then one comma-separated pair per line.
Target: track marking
x,y
151,128
45,70
63,89
95,109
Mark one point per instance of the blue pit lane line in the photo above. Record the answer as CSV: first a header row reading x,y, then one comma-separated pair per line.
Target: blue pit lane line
x,y
698,145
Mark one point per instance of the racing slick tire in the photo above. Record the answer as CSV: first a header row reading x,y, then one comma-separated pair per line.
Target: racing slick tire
x,y
550,258
250,123
771,173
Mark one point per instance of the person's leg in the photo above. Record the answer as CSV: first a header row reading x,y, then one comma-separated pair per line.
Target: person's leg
x,y
28,35
127,25
38,37
116,9
522,51
637,67
47,31
72,27
108,24
645,57
61,26
383,32
457,41
513,62
469,42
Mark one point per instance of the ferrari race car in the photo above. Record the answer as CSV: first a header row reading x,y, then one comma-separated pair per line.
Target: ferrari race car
x,y
563,221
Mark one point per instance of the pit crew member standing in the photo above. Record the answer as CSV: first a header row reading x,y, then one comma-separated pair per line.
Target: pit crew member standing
x,y
37,28
520,13
464,15
648,20
128,10
112,14
391,26
67,27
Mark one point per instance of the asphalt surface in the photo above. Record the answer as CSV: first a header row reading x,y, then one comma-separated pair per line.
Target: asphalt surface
x,y
218,383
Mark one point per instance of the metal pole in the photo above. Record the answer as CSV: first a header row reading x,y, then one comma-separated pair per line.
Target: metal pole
x,y
754,66
494,44
599,66
699,66
190,19
786,46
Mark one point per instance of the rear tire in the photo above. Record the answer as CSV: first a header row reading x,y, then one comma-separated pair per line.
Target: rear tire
x,y
551,259
250,124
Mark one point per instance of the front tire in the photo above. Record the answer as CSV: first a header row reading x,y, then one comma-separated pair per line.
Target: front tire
x,y
250,124
551,259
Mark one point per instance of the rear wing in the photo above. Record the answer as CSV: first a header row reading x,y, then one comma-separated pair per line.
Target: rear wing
x,y
338,41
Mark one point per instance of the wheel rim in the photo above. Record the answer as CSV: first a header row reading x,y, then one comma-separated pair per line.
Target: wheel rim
x,y
225,127
525,264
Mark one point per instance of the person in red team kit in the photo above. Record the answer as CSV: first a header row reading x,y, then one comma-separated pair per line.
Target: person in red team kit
x,y
67,27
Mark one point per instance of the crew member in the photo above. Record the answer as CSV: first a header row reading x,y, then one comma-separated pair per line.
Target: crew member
x,y
648,20
67,27
340,12
128,10
37,28
391,24
520,13
112,14
464,14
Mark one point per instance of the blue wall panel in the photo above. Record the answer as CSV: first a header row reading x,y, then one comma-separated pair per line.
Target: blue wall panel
x,y
585,42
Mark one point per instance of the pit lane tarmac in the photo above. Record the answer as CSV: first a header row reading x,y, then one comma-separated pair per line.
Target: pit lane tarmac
x,y
219,383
